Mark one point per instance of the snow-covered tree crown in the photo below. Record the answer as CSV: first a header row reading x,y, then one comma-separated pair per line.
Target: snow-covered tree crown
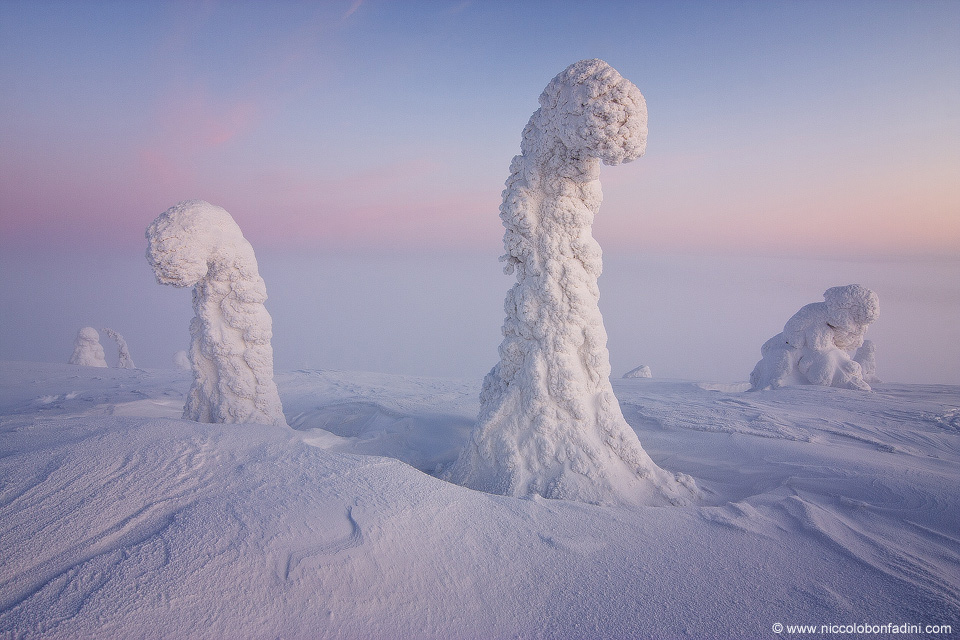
x,y
594,111
188,239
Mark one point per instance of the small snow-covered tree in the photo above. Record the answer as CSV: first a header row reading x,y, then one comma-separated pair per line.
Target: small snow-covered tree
x,y
182,361
197,244
549,423
87,350
866,357
124,361
816,344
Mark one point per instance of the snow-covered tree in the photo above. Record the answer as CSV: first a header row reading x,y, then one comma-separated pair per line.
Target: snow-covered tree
x,y
124,361
817,343
87,351
643,371
549,423
866,357
197,244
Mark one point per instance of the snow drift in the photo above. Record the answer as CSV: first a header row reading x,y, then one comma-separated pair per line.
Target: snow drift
x,y
124,361
197,244
816,344
87,350
643,371
549,423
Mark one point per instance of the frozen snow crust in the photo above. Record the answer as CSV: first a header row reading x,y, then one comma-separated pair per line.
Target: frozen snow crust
x,y
87,350
818,343
549,422
197,244
121,520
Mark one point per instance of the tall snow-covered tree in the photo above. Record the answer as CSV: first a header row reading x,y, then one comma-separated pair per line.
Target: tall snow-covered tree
x,y
549,423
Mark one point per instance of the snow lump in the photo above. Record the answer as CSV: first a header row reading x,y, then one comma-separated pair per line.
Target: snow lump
x,y
87,350
197,244
817,343
643,371
549,423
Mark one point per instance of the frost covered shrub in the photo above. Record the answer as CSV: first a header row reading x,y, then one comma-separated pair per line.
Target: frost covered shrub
x,y
124,361
643,371
816,344
549,423
866,357
87,351
197,244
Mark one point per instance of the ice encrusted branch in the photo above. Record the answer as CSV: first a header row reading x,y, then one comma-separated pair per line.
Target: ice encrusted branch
x,y
197,244
124,361
549,423
817,343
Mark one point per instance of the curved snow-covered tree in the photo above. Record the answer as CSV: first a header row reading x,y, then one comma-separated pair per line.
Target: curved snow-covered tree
x,y
197,244
817,343
87,350
549,423
124,361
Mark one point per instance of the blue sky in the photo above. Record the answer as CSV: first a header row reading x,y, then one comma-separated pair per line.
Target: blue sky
x,y
774,126
818,139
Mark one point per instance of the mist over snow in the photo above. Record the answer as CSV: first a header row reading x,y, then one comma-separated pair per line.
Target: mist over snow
x,y
434,313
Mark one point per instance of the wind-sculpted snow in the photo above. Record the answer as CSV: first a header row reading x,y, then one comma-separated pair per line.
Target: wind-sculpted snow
x,y
817,343
643,371
549,422
819,504
124,361
87,350
196,244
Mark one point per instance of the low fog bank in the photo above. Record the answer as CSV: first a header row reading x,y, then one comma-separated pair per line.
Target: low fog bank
x,y
701,318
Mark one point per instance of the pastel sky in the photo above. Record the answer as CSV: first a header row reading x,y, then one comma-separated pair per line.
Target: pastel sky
x,y
775,127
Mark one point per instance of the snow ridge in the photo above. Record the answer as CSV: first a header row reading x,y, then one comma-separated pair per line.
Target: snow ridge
x,y
197,244
549,423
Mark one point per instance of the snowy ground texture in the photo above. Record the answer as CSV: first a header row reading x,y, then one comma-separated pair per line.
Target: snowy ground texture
x,y
118,519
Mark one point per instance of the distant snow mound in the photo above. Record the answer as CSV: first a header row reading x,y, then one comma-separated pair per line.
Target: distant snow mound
x,y
643,371
87,351
549,423
181,361
817,343
124,361
866,357
197,244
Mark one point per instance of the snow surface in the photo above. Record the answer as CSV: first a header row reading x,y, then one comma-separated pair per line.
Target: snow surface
x,y
549,423
817,344
643,371
87,350
124,361
119,519
197,244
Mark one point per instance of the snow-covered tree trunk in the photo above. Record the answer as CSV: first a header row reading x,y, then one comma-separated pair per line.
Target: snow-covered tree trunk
x,y
198,244
124,361
549,422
